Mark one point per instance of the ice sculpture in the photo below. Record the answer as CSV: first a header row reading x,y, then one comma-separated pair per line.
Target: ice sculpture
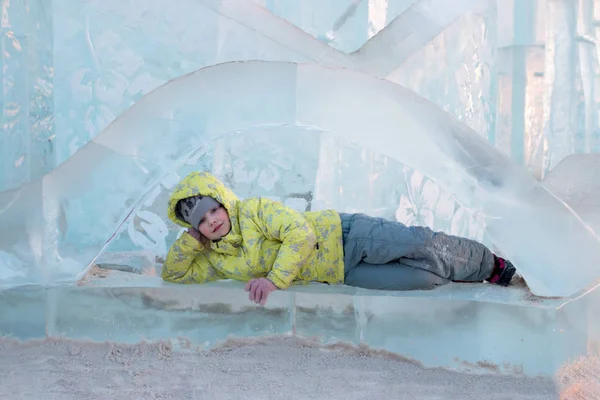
x,y
61,222
117,65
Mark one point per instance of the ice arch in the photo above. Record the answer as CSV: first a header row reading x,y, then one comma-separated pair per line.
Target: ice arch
x,y
42,222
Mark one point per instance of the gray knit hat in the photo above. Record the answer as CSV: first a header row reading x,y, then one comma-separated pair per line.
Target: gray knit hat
x,y
192,209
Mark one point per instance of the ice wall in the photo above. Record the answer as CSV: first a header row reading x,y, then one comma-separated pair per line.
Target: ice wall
x,y
497,57
27,135
108,54
102,57
116,65
106,179
468,83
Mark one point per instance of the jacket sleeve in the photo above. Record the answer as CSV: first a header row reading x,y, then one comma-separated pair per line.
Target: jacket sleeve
x,y
186,263
282,223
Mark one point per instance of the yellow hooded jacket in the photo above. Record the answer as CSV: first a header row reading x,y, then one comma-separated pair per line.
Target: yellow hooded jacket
x,y
267,239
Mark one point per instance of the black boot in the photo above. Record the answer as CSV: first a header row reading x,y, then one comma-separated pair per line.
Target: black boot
x,y
503,272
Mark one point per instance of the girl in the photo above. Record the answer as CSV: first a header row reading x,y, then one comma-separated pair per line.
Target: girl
x,y
270,246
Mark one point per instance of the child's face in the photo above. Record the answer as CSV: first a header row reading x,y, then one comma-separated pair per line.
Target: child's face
x,y
215,223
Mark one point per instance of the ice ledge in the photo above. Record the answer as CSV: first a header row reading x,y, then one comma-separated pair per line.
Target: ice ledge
x,y
478,328
517,294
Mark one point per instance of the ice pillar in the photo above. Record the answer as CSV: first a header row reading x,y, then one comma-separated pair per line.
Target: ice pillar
x,y
26,142
519,130
588,56
561,110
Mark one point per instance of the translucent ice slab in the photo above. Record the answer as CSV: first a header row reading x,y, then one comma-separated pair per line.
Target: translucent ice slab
x,y
575,180
408,33
57,225
479,328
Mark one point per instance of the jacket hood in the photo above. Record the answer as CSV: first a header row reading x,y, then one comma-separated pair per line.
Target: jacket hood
x,y
200,183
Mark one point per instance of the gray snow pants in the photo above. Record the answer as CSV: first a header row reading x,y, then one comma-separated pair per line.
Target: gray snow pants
x,y
388,255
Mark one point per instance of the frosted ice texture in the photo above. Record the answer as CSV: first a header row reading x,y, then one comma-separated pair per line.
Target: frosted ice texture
x,y
71,212
27,97
62,247
575,180
126,49
116,65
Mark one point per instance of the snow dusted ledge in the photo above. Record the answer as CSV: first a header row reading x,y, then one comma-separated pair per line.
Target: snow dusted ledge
x,y
478,328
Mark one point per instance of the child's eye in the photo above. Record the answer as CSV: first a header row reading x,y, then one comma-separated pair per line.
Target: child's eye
x,y
214,210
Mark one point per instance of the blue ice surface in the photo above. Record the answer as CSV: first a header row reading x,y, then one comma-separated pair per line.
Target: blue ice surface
x,y
307,86
476,328
102,183
53,229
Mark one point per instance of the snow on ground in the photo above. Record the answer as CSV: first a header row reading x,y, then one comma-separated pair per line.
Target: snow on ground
x,y
267,368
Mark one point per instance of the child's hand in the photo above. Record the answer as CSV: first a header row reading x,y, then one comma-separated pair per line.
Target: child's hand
x,y
259,289
194,233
